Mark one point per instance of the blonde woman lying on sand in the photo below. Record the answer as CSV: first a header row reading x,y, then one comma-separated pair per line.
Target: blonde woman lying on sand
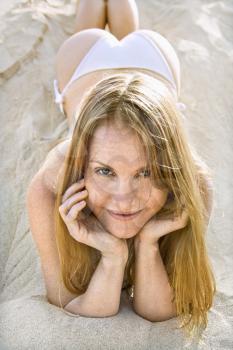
x,y
125,201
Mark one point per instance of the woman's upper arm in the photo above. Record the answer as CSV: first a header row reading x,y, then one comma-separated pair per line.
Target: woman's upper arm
x,y
40,201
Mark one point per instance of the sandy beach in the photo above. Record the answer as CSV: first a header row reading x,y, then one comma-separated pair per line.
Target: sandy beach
x,y
31,32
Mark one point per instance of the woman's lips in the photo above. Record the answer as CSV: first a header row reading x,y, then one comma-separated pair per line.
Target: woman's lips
x,y
124,217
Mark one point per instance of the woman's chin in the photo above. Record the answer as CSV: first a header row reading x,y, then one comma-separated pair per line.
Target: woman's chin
x,y
120,228
124,234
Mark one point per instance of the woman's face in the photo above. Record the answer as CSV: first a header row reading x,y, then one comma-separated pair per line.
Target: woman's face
x,y
117,180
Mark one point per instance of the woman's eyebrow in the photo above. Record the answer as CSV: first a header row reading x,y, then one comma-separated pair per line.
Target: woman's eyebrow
x,y
108,166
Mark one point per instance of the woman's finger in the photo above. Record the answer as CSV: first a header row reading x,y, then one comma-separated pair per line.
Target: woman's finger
x,y
69,202
72,189
182,220
74,211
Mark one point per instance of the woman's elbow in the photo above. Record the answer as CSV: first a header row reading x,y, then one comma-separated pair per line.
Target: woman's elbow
x,y
158,317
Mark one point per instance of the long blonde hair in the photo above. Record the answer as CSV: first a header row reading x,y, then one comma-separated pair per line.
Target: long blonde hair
x,y
147,106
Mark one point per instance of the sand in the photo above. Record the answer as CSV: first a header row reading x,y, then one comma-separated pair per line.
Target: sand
x,y
31,32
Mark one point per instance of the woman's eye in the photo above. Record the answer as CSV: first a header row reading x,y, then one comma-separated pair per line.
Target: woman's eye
x,y
106,172
103,170
145,173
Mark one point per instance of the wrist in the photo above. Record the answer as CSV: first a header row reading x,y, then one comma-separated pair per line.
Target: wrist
x,y
142,244
111,259
119,253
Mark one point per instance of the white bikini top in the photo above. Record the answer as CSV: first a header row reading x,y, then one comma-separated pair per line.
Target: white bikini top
x,y
135,50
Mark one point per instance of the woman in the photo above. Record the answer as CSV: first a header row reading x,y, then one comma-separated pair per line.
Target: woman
x,y
125,199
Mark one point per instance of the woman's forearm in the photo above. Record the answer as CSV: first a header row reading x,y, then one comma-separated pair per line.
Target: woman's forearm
x,y
102,297
152,291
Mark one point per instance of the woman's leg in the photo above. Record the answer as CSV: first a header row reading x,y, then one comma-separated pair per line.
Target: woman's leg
x,y
122,17
90,14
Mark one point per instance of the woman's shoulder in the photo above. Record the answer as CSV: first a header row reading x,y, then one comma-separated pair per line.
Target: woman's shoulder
x,y
54,164
203,169
208,193
62,147
57,154
206,181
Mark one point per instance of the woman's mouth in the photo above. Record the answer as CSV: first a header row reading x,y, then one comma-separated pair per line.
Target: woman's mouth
x,y
124,216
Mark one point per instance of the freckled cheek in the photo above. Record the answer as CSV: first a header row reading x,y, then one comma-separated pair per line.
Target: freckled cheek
x,y
97,196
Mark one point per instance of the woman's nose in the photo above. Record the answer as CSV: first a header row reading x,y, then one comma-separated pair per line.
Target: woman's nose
x,y
126,197
125,188
128,190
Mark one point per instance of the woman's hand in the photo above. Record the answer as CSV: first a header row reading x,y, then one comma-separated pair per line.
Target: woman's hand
x,y
88,229
156,228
